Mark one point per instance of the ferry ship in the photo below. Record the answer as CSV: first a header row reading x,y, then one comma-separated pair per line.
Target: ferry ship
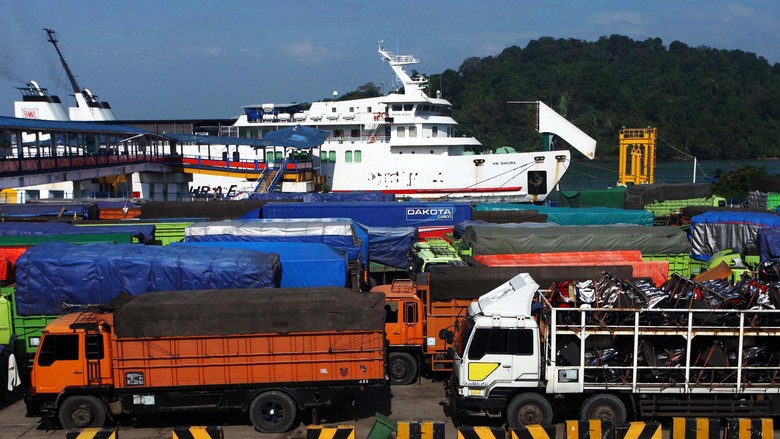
x,y
404,143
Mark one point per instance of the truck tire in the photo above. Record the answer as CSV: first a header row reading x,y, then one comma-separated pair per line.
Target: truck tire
x,y
82,411
273,412
605,407
402,368
528,409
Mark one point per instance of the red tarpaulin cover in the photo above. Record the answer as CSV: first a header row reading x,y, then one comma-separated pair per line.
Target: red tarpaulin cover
x,y
9,255
658,271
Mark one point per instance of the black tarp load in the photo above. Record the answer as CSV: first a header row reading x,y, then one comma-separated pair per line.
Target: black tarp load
x,y
50,274
508,216
639,195
143,233
249,311
493,239
211,210
448,283
390,245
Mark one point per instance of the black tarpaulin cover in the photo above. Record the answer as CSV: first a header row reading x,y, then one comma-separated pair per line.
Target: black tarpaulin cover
x,y
640,195
471,282
494,239
249,311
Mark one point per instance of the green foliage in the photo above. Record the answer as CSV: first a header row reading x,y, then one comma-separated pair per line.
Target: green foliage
x,y
737,182
713,104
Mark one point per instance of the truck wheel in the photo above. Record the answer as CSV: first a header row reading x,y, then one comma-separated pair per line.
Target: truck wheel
x,y
272,412
605,407
402,368
82,411
529,409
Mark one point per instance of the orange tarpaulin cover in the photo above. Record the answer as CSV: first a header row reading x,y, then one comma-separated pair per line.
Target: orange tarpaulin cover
x,y
658,271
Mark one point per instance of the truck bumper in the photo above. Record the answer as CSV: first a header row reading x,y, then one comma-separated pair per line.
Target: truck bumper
x,y
463,404
40,405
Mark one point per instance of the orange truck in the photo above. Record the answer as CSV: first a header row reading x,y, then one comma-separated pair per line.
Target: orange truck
x,y
420,317
269,352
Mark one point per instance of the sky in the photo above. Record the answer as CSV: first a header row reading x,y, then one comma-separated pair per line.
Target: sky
x,y
176,59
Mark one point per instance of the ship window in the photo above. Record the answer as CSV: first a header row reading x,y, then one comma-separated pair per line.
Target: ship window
x,y
351,109
57,348
278,156
408,107
338,133
56,194
368,109
236,156
253,134
355,133
396,107
413,131
435,131
265,131
269,156
332,156
401,132
333,110
348,156
358,156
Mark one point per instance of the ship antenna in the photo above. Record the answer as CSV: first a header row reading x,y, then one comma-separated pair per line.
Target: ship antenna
x,y
53,40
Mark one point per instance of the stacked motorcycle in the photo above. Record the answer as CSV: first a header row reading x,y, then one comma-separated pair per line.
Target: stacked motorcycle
x,y
611,303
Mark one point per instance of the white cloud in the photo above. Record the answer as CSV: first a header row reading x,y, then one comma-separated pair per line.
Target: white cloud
x,y
741,10
214,51
309,54
618,18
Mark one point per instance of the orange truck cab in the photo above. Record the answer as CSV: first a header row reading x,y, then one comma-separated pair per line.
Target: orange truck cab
x,y
419,328
268,352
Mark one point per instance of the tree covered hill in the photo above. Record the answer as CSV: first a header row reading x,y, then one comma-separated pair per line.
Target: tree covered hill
x,y
710,103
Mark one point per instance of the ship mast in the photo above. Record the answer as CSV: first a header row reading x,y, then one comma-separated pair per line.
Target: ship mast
x,y
53,40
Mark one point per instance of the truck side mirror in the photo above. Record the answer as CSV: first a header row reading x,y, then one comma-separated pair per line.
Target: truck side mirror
x,y
446,335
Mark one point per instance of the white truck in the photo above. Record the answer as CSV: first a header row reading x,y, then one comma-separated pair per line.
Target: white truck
x,y
613,363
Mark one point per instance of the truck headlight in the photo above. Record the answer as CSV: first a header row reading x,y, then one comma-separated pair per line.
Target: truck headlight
x,y
34,342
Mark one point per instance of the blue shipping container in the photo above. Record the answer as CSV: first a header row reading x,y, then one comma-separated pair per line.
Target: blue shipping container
x,y
379,214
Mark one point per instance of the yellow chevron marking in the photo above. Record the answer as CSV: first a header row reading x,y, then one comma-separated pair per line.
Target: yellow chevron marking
x,y
480,371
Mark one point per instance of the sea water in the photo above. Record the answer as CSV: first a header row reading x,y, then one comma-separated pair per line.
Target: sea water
x,y
603,175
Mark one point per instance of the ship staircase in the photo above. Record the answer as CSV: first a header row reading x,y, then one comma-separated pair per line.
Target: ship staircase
x,y
270,178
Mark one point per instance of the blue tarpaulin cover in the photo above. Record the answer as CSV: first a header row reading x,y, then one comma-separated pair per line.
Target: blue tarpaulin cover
x,y
311,197
144,233
376,214
769,243
64,210
714,231
581,216
52,273
303,264
390,245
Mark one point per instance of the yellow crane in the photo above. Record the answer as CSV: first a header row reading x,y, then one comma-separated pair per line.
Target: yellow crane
x,y
641,142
